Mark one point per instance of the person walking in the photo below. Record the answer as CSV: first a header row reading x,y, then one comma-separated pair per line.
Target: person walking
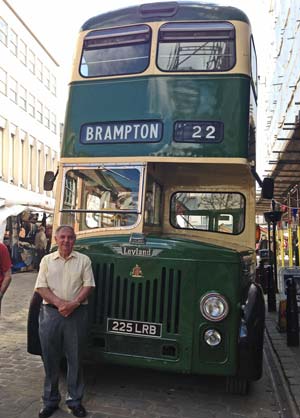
x,y
64,281
5,270
40,243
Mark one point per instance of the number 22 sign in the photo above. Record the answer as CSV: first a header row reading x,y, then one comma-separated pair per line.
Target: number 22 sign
x,y
199,131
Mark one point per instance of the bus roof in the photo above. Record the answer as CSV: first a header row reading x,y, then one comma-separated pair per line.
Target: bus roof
x,y
171,11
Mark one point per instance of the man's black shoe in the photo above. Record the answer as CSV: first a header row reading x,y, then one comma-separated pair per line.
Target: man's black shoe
x,y
78,411
47,411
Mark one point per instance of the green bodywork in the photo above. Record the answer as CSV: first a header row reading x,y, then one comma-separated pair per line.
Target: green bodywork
x,y
168,292
165,98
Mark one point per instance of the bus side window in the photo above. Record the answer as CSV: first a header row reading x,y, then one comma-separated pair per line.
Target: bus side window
x,y
70,199
208,211
153,203
225,223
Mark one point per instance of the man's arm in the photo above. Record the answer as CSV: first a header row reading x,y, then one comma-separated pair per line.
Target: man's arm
x,y
50,297
5,283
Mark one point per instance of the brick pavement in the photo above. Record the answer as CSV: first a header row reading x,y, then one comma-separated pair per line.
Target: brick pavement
x,y
111,391
288,358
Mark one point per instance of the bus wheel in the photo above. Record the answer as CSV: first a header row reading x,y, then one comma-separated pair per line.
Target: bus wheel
x,y
237,385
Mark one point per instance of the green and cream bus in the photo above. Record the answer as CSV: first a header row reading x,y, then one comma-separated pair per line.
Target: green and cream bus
x,y
156,177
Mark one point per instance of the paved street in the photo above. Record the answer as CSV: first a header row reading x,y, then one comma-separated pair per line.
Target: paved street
x,y
114,392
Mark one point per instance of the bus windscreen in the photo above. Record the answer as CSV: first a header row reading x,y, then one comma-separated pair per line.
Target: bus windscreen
x,y
106,197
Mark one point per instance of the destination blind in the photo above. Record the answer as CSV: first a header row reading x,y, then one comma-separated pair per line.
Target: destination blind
x,y
121,132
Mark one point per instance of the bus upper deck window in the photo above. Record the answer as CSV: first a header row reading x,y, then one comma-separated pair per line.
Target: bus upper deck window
x,y
206,46
116,51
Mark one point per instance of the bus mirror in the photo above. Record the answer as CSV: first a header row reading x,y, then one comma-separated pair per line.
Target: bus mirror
x,y
267,188
49,179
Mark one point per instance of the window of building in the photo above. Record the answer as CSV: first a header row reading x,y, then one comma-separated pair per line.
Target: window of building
x,y
3,81
31,61
53,123
39,111
53,162
47,77
3,31
11,164
30,166
23,98
39,69
116,51
202,46
21,161
38,168
13,90
31,105
13,42
46,159
23,52
47,117
53,85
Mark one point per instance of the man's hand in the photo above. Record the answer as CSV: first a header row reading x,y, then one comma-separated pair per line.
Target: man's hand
x,y
67,308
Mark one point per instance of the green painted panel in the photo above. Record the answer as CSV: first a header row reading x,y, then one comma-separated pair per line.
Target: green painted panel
x,y
167,292
165,98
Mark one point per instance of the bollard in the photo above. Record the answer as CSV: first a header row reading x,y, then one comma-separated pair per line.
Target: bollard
x,y
292,321
262,276
257,276
270,289
281,324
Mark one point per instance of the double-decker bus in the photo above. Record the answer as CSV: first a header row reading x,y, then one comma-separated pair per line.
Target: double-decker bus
x,y
156,177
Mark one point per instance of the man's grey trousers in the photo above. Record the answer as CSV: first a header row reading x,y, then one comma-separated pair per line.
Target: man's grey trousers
x,y
63,337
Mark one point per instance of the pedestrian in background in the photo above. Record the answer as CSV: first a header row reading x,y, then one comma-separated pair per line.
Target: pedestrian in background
x,y
5,270
64,281
40,243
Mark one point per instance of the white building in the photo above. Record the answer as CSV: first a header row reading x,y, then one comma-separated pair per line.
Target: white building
x,y
279,102
29,122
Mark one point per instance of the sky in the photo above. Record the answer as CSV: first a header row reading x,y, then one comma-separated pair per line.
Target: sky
x,y
56,24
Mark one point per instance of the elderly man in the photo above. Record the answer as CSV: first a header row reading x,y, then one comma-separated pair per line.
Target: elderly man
x,y
64,281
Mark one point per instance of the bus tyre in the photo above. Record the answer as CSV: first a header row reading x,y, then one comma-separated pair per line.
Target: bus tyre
x,y
237,385
33,339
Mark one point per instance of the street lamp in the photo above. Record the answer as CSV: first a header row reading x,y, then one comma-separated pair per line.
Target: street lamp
x,y
272,218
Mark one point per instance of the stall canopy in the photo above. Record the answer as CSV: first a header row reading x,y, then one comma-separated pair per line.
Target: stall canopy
x,y
15,200
14,210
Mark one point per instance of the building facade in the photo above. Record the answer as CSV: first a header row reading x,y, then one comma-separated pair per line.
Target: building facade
x,y
29,122
280,101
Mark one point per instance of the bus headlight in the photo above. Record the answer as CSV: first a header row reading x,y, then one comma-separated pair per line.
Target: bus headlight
x,y
214,307
212,337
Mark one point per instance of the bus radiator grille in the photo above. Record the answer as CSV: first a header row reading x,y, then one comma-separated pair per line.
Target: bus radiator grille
x,y
147,300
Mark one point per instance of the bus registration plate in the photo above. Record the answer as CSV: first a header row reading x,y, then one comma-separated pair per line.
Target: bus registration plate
x,y
143,329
